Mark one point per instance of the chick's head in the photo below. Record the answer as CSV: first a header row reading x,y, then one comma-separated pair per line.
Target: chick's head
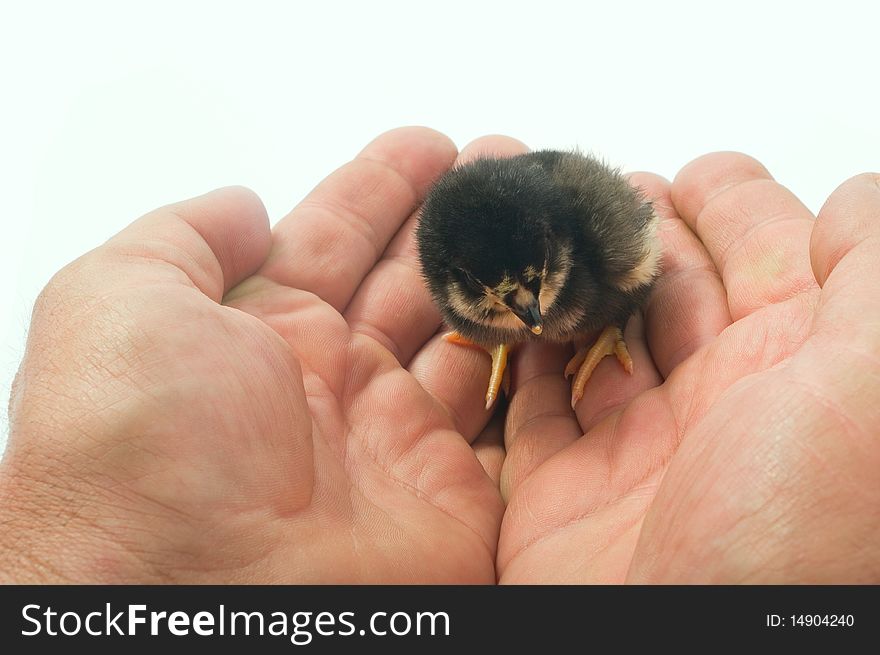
x,y
490,252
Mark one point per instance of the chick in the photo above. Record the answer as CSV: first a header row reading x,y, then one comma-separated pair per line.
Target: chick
x,y
545,245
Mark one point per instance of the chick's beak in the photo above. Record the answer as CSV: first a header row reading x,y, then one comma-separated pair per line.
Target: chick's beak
x,y
530,315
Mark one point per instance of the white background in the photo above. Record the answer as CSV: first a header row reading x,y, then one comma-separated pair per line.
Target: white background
x,y
109,109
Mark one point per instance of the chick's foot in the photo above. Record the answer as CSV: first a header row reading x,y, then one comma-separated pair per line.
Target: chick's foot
x,y
499,365
610,342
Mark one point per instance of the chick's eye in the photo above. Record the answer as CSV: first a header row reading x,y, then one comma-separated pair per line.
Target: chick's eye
x,y
467,278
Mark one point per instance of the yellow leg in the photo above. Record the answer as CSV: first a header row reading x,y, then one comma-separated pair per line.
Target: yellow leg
x,y
499,364
610,342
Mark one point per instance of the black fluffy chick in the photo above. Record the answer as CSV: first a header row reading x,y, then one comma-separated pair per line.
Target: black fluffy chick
x,y
545,245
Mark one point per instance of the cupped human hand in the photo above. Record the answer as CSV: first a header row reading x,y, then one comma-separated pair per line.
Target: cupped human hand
x,y
203,400
745,446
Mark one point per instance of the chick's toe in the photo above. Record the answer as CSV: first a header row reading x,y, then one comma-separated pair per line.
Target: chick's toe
x,y
610,342
458,340
499,365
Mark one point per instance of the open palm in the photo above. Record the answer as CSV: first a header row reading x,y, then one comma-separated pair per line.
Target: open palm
x,y
397,491
744,447
223,403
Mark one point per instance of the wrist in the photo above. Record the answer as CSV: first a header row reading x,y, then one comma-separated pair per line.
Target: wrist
x,y
23,534
50,532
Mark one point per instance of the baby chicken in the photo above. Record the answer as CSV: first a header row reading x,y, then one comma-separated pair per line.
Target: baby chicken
x,y
545,245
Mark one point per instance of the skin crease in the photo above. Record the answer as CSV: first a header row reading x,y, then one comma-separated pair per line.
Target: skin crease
x,y
203,400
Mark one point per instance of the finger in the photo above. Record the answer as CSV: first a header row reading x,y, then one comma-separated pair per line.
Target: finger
x,y
393,305
610,387
455,375
756,231
540,421
588,500
845,255
332,239
213,241
847,220
688,306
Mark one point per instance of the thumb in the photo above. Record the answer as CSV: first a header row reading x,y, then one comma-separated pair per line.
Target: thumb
x,y
845,255
214,240
130,352
203,245
146,419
